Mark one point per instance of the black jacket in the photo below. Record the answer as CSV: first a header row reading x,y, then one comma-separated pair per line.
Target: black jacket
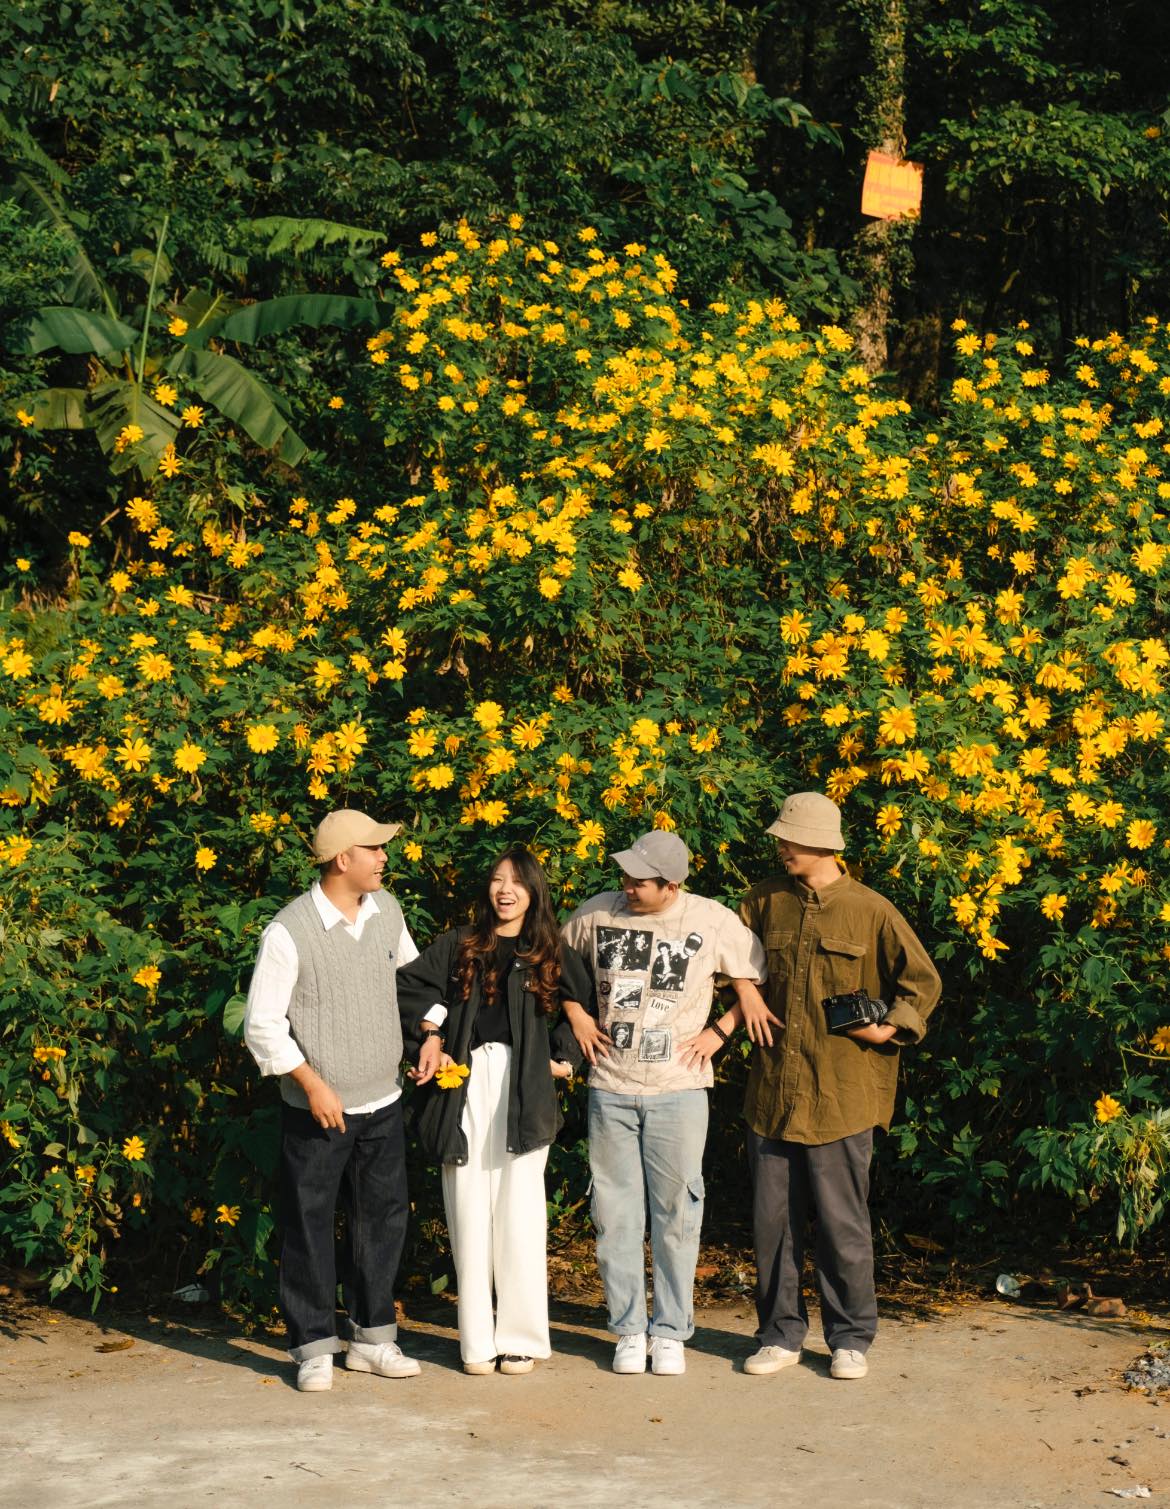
x,y
534,1110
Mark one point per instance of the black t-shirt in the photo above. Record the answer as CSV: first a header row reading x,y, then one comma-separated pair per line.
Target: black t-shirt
x,y
491,1023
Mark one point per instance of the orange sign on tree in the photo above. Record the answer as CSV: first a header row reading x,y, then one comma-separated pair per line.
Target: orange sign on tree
x,y
892,188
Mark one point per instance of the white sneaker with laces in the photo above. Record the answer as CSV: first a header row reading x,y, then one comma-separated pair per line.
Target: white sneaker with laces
x,y
630,1354
315,1374
770,1360
848,1364
667,1356
382,1357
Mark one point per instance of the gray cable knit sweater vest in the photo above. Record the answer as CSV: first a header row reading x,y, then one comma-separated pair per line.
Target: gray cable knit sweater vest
x,y
344,1007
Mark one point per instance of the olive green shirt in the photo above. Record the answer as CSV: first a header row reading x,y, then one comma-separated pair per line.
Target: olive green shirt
x,y
812,1086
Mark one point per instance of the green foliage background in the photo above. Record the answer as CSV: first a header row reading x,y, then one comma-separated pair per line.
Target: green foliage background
x,y
630,488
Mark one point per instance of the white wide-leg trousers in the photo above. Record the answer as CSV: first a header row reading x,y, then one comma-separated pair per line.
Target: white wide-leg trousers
x,y
498,1224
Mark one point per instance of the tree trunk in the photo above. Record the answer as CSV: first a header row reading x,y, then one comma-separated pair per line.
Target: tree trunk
x,y
881,257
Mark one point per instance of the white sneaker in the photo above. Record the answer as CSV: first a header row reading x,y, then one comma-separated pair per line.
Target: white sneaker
x,y
848,1364
382,1357
667,1356
315,1375
630,1354
770,1360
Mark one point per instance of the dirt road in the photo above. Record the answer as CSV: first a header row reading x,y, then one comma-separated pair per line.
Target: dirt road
x,y
989,1406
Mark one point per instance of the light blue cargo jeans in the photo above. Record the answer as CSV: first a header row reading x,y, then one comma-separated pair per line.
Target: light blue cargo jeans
x,y
648,1148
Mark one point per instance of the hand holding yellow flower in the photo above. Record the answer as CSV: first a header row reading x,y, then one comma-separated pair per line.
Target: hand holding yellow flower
x,y
451,1076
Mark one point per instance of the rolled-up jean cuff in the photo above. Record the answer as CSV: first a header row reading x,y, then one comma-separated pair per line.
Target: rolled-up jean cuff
x,y
325,1347
373,1334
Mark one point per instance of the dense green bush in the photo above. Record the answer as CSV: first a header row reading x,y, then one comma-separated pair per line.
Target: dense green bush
x,y
578,559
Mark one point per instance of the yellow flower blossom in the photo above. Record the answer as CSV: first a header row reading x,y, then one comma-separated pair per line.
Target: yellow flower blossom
x,y
263,737
189,757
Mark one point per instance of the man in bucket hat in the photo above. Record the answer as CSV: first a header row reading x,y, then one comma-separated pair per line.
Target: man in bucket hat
x,y
815,1095
322,1013
654,951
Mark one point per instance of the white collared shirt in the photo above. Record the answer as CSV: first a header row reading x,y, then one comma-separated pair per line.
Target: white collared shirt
x,y
266,1026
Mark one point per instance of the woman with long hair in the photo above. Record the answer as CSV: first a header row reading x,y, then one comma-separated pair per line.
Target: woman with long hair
x,y
503,982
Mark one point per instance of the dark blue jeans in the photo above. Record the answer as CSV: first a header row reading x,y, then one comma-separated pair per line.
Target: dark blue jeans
x,y
363,1169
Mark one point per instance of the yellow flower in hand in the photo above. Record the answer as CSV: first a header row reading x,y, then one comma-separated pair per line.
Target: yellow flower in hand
x,y
451,1076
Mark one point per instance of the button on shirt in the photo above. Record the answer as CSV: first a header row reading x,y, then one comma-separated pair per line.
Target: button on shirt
x,y
813,1086
266,1026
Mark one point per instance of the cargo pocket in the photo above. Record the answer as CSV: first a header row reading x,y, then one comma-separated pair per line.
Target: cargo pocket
x,y
598,1228
778,947
693,1213
841,965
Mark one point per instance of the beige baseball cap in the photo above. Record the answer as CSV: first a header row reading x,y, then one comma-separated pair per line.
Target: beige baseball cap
x,y
811,819
657,854
344,828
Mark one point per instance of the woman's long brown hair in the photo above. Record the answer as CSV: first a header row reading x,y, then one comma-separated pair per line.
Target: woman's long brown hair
x,y
541,934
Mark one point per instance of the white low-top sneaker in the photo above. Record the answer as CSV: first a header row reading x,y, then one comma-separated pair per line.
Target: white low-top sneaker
x,y
770,1360
382,1357
848,1364
630,1354
315,1375
667,1356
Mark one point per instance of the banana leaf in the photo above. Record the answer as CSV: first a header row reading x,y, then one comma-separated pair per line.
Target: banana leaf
x,y
57,408
78,331
119,402
271,316
240,396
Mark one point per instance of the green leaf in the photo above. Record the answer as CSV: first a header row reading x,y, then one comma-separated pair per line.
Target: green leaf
x,y
241,397
290,234
86,286
78,331
119,402
57,408
233,1014
271,316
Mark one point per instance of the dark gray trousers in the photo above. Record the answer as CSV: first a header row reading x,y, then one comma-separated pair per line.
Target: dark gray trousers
x,y
791,1182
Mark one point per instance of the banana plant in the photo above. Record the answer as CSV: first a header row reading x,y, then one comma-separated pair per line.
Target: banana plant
x,y
126,368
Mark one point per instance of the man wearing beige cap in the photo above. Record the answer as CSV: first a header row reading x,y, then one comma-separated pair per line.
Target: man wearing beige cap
x,y
654,951
322,1013
818,1087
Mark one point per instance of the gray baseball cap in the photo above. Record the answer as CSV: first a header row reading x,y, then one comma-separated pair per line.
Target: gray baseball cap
x,y
656,855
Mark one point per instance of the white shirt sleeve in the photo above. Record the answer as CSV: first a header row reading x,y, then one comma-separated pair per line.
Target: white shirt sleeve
x,y
741,955
266,1029
407,948
407,954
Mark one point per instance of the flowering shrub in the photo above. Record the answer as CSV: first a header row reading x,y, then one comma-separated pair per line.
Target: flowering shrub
x,y
581,560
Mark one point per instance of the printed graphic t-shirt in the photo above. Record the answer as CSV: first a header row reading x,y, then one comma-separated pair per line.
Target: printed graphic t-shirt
x,y
655,977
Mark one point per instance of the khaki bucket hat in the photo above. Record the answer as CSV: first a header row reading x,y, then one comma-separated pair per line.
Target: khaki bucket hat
x,y
811,819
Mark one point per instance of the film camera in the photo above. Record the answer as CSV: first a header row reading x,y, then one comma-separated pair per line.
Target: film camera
x,y
855,1009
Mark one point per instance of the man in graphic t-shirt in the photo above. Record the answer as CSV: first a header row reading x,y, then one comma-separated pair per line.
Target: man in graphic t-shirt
x,y
655,952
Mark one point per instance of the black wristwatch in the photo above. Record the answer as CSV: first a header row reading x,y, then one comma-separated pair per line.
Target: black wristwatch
x,y
428,1029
